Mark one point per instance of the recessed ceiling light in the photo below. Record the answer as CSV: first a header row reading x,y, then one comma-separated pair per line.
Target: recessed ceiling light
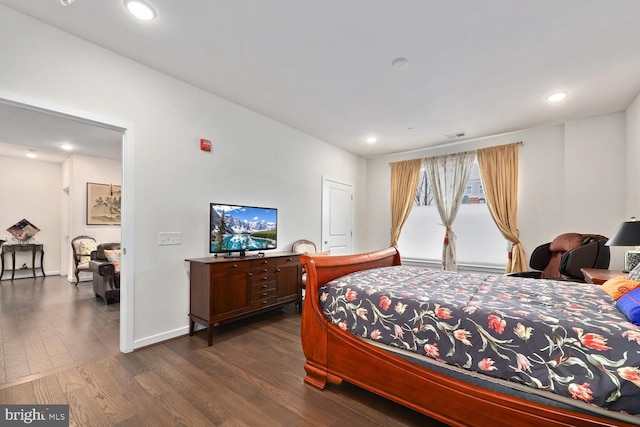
x,y
371,140
140,9
31,154
66,2
557,97
66,147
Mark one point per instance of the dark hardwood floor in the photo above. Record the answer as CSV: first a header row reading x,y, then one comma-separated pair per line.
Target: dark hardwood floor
x,y
59,345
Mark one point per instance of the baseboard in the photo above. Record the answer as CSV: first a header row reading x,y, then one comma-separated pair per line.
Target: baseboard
x,y
154,339
27,274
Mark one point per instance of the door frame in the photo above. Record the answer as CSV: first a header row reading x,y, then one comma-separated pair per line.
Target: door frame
x,y
128,173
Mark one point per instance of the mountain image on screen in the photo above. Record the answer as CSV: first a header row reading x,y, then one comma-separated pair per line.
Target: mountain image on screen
x,y
242,228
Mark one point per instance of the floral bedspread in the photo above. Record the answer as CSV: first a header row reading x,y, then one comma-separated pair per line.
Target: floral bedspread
x,y
567,338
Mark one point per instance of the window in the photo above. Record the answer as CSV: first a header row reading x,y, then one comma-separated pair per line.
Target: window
x,y
478,239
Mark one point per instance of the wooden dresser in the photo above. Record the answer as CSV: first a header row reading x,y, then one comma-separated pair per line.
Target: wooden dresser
x,y
227,289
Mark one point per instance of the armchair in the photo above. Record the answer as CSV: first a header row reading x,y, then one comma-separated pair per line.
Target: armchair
x,y
82,246
105,265
563,258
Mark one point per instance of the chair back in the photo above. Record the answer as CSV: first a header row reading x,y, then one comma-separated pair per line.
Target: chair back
x,y
568,253
303,246
82,247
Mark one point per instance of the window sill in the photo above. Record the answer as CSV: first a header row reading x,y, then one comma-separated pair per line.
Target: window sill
x,y
462,267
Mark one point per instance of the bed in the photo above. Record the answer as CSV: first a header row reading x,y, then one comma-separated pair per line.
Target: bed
x,y
338,347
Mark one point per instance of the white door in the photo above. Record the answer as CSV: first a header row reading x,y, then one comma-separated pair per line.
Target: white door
x,y
337,216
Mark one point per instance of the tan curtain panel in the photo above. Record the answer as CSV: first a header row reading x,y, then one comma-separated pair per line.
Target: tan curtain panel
x,y
404,183
499,172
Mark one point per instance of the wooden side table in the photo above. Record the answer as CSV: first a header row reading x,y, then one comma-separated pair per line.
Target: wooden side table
x,y
598,276
22,247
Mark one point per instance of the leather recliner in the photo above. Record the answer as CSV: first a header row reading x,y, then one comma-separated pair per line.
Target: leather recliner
x,y
563,258
106,275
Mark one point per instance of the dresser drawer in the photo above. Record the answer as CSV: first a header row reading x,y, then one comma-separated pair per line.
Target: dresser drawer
x,y
230,267
262,278
263,262
262,295
263,286
288,260
263,302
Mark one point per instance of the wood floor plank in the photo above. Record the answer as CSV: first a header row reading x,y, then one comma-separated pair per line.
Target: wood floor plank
x,y
148,409
69,380
48,390
85,410
182,411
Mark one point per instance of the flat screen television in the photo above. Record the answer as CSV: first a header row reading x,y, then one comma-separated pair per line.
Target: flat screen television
x,y
236,228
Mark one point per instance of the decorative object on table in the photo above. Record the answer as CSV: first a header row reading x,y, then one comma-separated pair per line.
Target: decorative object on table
x,y
103,204
23,230
628,234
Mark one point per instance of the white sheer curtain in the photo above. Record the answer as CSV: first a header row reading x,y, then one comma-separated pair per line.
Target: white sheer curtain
x,y
448,176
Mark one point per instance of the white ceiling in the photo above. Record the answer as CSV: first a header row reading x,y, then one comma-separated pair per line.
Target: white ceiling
x,y
324,67
23,129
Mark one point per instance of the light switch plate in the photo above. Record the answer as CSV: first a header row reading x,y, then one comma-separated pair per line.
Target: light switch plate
x,y
169,238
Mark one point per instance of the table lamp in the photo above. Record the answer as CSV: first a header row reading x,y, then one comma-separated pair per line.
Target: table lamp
x,y
628,234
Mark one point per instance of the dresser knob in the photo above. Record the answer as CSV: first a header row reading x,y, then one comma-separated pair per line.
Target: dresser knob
x,y
264,286
264,294
234,266
264,302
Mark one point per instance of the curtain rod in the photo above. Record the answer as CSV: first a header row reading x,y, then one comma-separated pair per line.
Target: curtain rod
x,y
456,152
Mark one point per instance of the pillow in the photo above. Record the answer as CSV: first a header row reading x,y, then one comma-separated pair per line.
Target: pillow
x,y
85,248
618,286
113,255
629,304
634,274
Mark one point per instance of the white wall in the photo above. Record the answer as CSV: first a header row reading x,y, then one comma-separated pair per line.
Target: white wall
x,y
32,190
572,178
255,160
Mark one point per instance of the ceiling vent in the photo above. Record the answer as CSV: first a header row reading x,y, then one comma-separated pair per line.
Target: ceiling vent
x,y
456,135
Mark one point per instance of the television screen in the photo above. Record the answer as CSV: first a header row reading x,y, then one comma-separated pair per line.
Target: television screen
x,y
242,228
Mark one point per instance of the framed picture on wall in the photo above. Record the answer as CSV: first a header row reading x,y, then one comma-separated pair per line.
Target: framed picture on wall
x,y
103,204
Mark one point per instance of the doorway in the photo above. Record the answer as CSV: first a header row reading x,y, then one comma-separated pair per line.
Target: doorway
x,y
126,129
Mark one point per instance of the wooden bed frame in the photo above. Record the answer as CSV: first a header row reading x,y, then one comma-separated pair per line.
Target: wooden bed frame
x,y
334,355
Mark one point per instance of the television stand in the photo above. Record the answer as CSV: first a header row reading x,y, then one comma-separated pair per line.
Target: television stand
x,y
224,289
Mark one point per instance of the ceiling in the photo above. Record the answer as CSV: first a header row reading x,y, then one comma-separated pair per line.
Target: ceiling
x,y
23,129
325,67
